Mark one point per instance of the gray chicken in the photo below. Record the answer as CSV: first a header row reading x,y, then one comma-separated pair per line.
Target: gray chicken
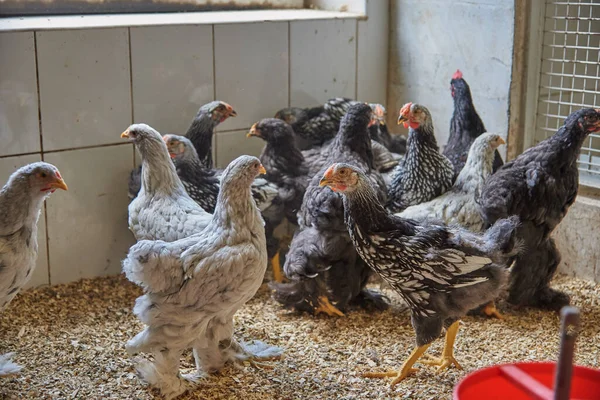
x,y
424,174
539,186
163,209
194,286
440,271
325,272
21,201
200,133
458,206
202,184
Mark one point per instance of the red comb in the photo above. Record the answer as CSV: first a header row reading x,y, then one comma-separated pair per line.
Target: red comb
x,y
457,74
405,108
58,175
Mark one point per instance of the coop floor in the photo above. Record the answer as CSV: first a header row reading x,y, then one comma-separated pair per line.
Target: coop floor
x,y
70,339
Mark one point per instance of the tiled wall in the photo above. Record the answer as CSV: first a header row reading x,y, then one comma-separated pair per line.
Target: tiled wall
x,y
65,97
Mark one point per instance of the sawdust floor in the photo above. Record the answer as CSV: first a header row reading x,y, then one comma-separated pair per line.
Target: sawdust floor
x,y
70,339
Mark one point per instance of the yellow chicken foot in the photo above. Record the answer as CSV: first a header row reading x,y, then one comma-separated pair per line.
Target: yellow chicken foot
x,y
326,307
491,311
406,369
277,272
447,358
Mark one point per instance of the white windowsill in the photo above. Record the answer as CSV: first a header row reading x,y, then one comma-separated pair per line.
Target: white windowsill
x,y
191,18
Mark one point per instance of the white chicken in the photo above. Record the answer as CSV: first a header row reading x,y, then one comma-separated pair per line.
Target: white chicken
x,y
21,201
162,209
194,286
459,204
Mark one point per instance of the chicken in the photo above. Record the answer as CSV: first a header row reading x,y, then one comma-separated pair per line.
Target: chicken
x,y
424,174
201,183
459,204
200,133
285,169
162,209
195,285
441,272
465,125
326,273
539,186
21,201
379,133
315,126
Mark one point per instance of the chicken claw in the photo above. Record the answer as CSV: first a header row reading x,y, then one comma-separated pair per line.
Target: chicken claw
x,y
326,307
406,369
491,311
442,362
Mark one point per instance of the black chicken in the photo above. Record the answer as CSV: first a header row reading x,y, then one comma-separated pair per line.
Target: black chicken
x,y
316,125
441,272
465,125
380,133
286,170
424,173
539,186
200,133
325,271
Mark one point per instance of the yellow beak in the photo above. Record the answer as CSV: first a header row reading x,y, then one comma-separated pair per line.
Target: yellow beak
x,y
252,132
501,141
402,119
262,170
125,134
60,184
323,182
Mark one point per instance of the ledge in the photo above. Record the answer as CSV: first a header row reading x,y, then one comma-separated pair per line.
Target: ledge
x,y
192,18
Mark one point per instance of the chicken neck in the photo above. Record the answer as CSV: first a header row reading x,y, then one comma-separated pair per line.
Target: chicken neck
x,y
158,172
200,134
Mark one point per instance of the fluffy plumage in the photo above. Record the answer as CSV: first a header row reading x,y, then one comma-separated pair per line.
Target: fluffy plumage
x,y
200,133
195,285
316,125
162,209
440,271
459,205
21,201
322,263
539,186
424,174
465,125
201,183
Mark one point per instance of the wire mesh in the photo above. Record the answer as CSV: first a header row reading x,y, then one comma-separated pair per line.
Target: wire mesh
x,y
570,74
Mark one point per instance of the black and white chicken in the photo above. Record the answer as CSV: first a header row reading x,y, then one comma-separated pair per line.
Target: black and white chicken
x,y
440,271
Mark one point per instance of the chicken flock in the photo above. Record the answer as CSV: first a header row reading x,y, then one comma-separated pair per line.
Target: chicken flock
x,y
450,231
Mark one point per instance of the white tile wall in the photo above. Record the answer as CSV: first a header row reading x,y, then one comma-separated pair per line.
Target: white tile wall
x,y
322,61
9,165
372,65
172,75
87,226
231,145
251,70
88,95
19,122
84,86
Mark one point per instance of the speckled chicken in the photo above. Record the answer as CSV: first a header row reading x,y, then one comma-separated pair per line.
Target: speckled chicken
x,y
200,133
162,209
194,286
539,186
459,205
202,184
424,174
326,273
316,125
441,272
465,125
287,170
21,201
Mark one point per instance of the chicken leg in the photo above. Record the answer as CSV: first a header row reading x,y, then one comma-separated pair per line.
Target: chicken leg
x,y
491,311
447,358
326,307
277,272
405,370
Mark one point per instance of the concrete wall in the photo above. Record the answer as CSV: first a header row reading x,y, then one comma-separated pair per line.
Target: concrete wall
x,y
430,39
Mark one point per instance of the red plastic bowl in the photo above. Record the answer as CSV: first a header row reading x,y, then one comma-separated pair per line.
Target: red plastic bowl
x,y
525,381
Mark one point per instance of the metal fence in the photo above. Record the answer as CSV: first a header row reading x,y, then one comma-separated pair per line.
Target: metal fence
x,y
570,74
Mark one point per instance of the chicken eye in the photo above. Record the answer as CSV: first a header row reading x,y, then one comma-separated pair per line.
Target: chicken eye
x,y
43,175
